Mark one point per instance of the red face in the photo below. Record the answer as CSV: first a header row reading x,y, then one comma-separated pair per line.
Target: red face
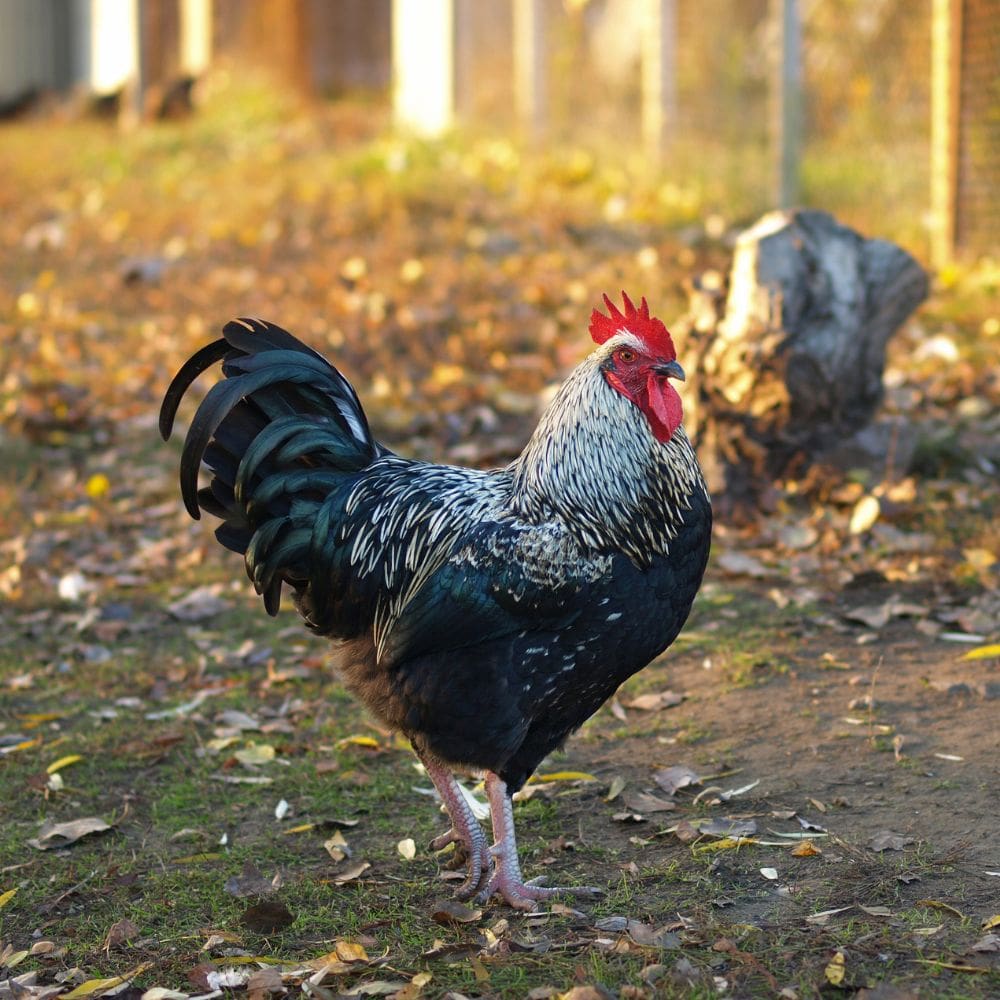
x,y
643,378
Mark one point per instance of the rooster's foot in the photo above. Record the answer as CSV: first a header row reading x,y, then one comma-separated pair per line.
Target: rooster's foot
x,y
474,857
506,880
465,830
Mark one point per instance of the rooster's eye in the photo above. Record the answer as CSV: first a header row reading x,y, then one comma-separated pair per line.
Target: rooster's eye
x,y
626,356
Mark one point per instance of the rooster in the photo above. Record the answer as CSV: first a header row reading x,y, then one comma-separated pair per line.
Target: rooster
x,y
484,614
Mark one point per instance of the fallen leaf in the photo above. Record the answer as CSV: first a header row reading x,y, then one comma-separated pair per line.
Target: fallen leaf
x,y
6,897
740,564
990,922
655,702
641,802
267,916
723,827
769,873
991,942
55,835
886,840
617,787
368,742
199,604
866,512
407,849
250,882
97,987
823,917
561,776
807,849
121,932
337,847
982,652
450,912
936,904
264,982
376,988
726,844
351,951
835,969
351,872
673,779
254,754
58,765
876,911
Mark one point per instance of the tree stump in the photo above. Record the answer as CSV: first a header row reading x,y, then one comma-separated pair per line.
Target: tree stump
x,y
790,366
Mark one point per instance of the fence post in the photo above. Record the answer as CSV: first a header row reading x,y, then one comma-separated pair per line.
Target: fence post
x,y
659,75
946,28
196,36
530,97
786,101
423,65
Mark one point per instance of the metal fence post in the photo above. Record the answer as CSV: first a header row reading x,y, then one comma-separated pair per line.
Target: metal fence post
x,y
786,102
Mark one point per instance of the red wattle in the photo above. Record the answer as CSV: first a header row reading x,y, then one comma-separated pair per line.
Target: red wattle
x,y
664,407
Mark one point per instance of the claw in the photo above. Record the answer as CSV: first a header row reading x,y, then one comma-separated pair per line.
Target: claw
x,y
506,880
465,831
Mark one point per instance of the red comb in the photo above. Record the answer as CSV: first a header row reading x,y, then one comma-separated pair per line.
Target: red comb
x,y
636,321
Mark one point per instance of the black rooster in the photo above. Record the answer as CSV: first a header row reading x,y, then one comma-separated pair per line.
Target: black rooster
x,y
486,615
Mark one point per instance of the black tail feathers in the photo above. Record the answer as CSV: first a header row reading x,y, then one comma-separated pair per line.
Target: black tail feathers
x,y
284,424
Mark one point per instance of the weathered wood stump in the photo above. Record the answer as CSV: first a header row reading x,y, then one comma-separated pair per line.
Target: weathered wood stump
x,y
790,366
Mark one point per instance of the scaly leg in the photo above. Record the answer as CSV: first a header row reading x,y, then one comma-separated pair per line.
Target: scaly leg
x,y
506,880
465,828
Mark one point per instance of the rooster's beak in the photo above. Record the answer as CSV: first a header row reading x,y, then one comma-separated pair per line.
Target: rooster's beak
x,y
670,369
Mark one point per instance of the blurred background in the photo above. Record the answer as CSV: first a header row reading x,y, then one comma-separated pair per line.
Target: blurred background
x,y
882,111
436,192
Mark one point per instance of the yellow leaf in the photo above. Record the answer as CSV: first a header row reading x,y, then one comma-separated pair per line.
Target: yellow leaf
x,y
359,741
479,970
982,652
562,776
6,897
951,965
990,922
58,765
194,859
99,986
32,720
936,904
835,969
222,742
301,828
98,485
256,753
348,951
15,958
806,849
25,745
726,844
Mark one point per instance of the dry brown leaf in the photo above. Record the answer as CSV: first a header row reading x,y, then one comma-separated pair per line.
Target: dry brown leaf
x,y
250,882
673,779
56,835
351,872
121,932
886,840
450,912
654,702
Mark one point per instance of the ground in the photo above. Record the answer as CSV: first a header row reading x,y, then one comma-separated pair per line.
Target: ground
x,y
836,688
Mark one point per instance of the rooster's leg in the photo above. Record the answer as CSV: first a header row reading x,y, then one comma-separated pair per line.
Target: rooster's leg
x,y
507,880
465,828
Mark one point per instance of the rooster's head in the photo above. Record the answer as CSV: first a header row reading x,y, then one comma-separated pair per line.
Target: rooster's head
x,y
639,361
